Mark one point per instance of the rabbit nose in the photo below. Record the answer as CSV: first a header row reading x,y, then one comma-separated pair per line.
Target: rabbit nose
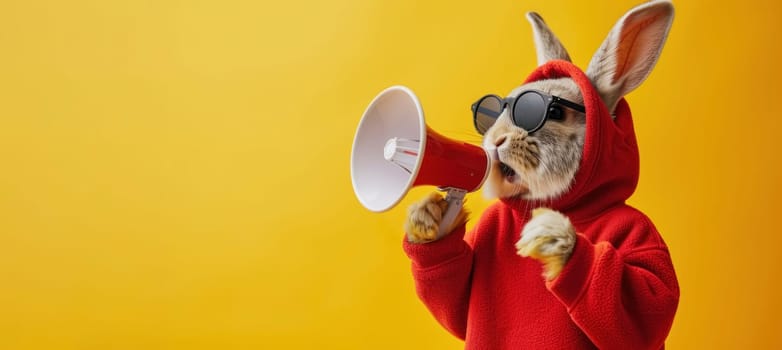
x,y
500,140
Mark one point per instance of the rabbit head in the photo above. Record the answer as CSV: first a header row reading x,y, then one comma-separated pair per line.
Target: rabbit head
x,y
541,165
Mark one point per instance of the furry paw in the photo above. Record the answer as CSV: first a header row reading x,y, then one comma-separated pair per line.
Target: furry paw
x,y
423,218
548,237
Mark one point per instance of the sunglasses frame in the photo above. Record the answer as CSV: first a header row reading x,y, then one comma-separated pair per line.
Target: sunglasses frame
x,y
511,101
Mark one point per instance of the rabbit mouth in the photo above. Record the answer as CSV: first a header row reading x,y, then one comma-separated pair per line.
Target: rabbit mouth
x,y
507,172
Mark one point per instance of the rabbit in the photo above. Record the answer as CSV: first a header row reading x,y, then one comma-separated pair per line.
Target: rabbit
x,y
538,169
542,165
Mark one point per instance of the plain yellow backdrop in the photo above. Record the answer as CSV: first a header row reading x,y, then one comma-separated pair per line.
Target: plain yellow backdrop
x,y
175,174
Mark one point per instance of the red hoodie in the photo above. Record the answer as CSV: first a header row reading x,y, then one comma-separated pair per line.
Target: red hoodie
x,y
617,291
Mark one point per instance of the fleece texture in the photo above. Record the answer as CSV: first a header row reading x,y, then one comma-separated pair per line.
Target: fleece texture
x,y
617,291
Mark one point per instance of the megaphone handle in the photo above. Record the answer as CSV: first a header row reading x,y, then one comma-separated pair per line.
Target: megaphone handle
x,y
455,199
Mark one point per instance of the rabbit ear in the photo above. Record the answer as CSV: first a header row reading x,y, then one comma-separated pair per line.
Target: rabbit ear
x,y
547,45
630,51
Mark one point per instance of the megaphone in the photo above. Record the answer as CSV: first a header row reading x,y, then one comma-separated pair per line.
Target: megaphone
x,y
394,150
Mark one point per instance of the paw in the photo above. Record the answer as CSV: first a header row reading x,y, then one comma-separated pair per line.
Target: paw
x,y
548,237
424,217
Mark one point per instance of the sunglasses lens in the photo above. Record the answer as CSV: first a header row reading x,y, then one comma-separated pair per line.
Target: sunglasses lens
x,y
529,110
488,110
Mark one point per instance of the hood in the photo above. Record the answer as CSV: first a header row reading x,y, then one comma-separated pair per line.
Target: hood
x,y
608,172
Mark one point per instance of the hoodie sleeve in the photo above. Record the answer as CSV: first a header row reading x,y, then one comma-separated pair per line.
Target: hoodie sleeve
x,y
621,298
442,270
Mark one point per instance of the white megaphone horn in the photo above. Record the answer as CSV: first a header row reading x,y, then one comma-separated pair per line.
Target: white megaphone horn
x,y
394,150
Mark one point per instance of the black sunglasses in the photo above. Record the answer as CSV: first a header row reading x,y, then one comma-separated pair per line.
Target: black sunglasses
x,y
529,110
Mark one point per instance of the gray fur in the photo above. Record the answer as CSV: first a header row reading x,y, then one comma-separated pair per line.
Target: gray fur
x,y
547,44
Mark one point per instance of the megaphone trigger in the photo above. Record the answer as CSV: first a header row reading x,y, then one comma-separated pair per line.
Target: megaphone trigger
x,y
455,199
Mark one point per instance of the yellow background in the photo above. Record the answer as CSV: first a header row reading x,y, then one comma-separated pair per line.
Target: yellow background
x,y
175,173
